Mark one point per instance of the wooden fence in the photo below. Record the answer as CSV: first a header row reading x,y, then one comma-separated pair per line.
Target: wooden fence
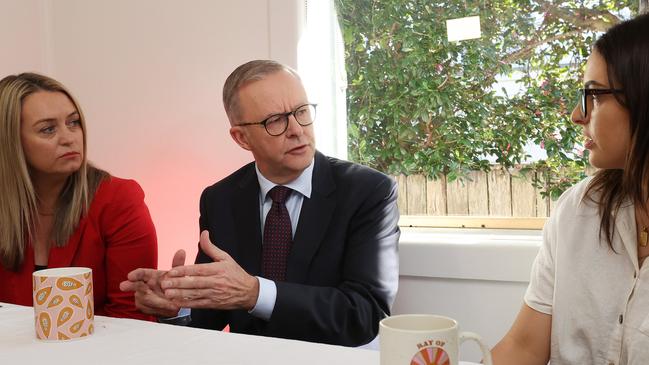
x,y
498,192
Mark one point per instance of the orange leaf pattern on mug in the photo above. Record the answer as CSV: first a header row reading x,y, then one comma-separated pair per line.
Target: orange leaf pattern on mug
x,y
45,322
68,284
56,300
89,288
62,336
431,356
64,315
42,295
76,301
91,329
76,327
89,310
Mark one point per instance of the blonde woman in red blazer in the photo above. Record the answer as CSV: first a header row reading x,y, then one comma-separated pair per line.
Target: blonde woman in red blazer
x,y
56,209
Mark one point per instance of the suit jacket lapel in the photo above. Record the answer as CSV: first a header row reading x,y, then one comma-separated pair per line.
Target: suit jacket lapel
x,y
247,225
314,220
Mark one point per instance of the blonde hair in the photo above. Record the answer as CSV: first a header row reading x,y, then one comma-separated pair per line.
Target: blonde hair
x,y
18,199
250,71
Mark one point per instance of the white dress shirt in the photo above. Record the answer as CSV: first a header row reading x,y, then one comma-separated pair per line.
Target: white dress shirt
x,y
598,299
301,188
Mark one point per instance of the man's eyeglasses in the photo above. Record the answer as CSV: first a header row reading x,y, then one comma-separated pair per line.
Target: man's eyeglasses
x,y
277,124
585,93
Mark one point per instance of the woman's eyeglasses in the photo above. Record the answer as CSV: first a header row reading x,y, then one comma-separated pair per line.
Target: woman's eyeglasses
x,y
585,93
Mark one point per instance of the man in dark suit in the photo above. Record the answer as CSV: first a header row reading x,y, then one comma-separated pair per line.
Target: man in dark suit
x,y
304,245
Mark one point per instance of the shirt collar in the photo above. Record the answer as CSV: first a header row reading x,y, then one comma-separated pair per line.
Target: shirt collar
x,y
301,184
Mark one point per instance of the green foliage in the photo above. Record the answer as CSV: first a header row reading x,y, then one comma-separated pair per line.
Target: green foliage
x,y
418,104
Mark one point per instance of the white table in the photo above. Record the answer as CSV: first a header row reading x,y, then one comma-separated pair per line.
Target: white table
x,y
127,341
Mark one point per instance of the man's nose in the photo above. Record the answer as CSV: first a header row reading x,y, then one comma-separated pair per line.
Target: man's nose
x,y
294,128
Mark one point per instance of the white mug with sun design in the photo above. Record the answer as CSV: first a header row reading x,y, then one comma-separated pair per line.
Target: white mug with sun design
x,y
63,303
424,339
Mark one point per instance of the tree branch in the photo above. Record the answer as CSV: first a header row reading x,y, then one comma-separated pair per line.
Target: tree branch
x,y
530,47
582,20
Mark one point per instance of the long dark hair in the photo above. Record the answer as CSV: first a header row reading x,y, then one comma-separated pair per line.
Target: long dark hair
x,y
625,48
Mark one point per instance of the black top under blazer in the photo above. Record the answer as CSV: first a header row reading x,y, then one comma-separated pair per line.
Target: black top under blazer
x,y
343,269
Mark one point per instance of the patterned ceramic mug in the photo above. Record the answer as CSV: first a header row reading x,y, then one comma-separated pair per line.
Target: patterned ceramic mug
x,y
63,303
424,339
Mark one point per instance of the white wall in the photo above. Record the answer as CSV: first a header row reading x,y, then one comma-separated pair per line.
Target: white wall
x,y
477,277
148,75
23,36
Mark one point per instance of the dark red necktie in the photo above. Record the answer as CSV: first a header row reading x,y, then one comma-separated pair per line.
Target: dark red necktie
x,y
278,236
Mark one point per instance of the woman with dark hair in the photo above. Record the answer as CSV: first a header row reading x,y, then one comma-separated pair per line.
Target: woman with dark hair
x,y
58,210
588,297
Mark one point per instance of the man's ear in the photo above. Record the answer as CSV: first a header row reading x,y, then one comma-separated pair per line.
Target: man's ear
x,y
240,136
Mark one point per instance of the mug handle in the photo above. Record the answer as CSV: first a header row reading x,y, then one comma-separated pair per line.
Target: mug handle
x,y
486,354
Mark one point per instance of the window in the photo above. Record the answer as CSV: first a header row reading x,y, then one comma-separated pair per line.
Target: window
x,y
321,64
458,123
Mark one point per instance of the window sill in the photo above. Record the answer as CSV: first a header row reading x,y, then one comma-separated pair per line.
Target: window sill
x,y
477,254
491,222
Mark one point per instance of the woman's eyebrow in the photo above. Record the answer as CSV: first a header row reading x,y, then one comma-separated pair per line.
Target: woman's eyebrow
x,y
592,82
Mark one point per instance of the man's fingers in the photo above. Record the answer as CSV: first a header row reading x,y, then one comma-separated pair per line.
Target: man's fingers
x,y
187,282
179,258
210,249
187,294
142,287
148,296
127,285
142,274
155,305
213,268
143,279
150,302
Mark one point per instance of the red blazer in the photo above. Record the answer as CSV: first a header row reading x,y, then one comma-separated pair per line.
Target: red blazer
x,y
115,237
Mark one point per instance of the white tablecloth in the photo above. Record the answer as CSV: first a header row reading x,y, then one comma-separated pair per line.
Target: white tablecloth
x,y
127,341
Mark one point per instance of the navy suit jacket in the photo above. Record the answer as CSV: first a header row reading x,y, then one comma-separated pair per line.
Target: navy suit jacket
x,y
343,269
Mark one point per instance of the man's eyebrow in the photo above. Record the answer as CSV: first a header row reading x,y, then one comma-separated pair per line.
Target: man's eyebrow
x,y
299,105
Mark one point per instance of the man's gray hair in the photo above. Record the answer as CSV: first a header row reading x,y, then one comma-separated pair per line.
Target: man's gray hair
x,y
250,71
